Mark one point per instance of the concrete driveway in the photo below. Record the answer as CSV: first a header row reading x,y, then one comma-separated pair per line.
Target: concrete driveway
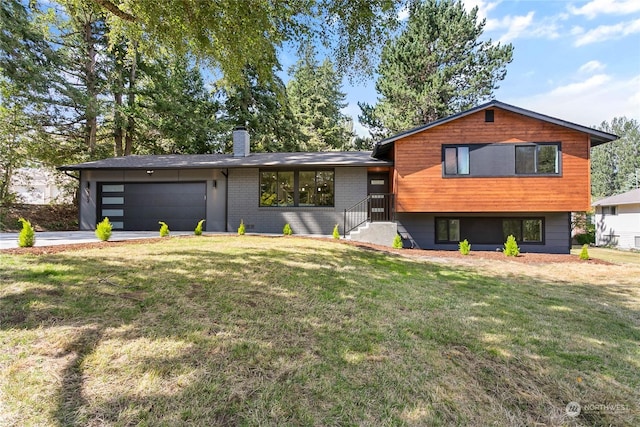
x,y
52,238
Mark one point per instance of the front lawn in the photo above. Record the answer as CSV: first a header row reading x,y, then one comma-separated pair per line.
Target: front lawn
x,y
286,331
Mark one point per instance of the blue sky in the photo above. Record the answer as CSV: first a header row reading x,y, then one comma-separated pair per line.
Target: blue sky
x,y
574,60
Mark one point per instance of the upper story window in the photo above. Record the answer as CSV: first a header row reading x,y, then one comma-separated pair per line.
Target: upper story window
x,y
456,160
537,159
296,188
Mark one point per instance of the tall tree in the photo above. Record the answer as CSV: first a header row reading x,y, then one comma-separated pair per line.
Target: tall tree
x,y
436,67
316,99
615,166
264,108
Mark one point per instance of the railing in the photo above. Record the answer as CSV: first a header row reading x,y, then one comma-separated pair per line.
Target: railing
x,y
374,208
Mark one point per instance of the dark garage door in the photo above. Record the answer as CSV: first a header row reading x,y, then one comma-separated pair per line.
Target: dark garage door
x,y
180,204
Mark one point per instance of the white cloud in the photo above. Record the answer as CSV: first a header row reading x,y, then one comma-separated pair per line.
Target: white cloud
x,y
589,102
591,67
484,7
609,7
608,32
403,13
515,25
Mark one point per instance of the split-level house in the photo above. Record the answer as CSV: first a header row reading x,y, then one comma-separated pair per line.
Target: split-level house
x,y
479,175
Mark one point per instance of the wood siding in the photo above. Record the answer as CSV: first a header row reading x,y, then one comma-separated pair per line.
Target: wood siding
x,y
421,187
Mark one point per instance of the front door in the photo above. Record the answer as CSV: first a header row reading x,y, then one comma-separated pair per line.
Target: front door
x,y
379,200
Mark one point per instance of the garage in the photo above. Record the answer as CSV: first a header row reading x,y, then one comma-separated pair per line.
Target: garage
x,y
139,206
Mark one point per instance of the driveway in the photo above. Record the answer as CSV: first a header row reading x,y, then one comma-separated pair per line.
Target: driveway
x,y
52,238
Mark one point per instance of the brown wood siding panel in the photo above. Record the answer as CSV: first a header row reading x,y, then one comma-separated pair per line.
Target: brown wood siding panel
x,y
421,187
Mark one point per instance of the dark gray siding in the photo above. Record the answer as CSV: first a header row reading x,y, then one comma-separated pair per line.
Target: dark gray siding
x,y
418,230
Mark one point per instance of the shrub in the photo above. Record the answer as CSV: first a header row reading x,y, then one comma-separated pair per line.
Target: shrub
x,y
511,247
397,242
241,229
103,230
27,237
164,229
198,230
336,232
586,238
287,231
584,253
464,247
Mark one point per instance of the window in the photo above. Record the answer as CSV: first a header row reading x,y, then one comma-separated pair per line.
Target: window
x,y
447,230
456,160
609,210
524,230
537,159
296,188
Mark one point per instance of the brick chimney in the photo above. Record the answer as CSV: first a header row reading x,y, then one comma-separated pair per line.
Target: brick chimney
x,y
240,142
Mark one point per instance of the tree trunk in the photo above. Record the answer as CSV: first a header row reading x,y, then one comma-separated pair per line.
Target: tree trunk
x,y
131,99
91,124
117,114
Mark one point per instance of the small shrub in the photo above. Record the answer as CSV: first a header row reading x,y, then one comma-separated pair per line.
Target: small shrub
x,y
164,229
287,231
397,242
103,229
27,237
511,247
464,247
336,232
198,230
585,239
241,229
584,253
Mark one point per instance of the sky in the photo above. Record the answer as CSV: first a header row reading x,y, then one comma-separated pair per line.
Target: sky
x,y
576,60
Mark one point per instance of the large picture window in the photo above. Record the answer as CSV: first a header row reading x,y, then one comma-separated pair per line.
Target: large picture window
x,y
537,159
297,188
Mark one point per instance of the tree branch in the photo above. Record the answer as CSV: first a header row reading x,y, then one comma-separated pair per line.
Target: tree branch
x,y
107,4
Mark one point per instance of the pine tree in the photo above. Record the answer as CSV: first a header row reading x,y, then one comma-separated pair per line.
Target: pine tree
x,y
436,67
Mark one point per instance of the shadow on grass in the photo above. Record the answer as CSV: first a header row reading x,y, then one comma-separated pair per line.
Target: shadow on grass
x,y
313,334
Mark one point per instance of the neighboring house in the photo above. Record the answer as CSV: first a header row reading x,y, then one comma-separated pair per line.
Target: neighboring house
x,y
38,186
618,220
482,174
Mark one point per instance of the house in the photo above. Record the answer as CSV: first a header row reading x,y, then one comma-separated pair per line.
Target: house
x,y
482,174
39,186
618,220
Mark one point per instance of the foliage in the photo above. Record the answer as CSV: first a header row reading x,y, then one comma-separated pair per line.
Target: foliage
x,y
241,229
336,232
464,247
164,229
316,101
198,230
583,227
286,230
27,236
397,242
511,246
103,229
615,166
436,67
584,253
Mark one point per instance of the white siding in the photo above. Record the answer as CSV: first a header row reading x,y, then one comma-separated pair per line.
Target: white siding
x,y
621,230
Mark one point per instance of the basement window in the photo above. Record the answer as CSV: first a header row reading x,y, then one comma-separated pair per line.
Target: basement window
x,y
447,230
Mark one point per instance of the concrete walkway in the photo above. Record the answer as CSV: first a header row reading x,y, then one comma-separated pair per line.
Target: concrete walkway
x,y
52,238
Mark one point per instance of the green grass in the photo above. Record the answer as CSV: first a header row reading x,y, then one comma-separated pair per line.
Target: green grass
x,y
274,331
612,255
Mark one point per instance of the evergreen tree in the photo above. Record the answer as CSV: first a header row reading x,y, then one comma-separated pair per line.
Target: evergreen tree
x,y
316,98
436,67
264,108
615,166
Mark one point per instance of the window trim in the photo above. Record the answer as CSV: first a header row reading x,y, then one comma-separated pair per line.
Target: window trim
x,y
502,219
296,187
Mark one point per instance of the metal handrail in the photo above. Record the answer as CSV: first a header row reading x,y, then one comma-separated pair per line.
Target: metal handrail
x,y
374,208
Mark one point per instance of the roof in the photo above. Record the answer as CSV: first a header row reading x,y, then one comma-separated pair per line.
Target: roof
x,y
628,198
227,161
597,137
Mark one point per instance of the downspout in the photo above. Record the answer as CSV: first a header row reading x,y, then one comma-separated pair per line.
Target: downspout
x,y
226,199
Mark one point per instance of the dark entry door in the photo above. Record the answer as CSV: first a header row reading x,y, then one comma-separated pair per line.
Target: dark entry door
x,y
141,205
379,198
